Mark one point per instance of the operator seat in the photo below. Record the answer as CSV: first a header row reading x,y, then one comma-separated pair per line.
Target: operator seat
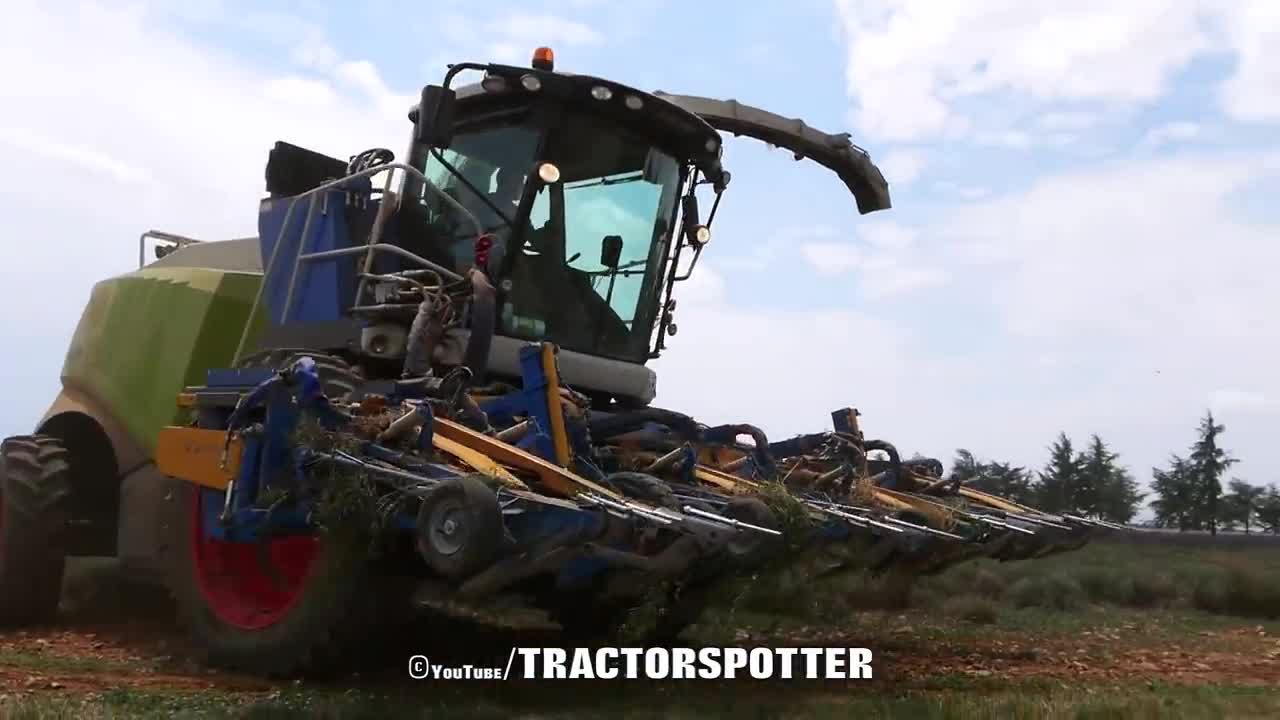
x,y
413,229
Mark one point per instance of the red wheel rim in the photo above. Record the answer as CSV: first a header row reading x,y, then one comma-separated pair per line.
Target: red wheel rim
x,y
251,586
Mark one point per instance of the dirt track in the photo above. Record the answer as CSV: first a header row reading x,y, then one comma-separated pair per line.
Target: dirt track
x,y
1252,660
119,636
147,652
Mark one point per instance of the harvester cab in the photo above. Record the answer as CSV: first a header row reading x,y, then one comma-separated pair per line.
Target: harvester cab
x,y
567,195
575,196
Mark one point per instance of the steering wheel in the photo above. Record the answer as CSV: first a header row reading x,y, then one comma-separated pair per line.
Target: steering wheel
x,y
369,159
506,222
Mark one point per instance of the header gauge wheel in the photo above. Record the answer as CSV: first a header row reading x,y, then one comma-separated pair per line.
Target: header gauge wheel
x,y
460,528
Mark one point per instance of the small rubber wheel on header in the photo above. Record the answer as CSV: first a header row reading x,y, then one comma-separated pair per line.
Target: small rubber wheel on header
x,y
460,528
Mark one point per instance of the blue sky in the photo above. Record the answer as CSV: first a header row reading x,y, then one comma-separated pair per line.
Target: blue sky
x,y
1083,236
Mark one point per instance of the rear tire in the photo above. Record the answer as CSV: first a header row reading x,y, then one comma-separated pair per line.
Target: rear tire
x,y
35,492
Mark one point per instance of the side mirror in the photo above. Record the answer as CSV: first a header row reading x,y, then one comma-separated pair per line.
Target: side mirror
x,y
611,251
434,124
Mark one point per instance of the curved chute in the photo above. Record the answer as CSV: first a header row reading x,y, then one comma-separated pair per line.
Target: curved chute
x,y
835,152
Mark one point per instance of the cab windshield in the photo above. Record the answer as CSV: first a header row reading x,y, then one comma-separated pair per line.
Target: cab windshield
x,y
491,157
587,273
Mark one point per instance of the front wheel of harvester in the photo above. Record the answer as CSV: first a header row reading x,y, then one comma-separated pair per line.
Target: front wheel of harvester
x,y
282,606
35,489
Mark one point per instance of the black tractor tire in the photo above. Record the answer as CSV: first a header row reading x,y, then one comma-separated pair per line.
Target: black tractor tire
x,y
752,548
467,504
35,493
337,378
642,487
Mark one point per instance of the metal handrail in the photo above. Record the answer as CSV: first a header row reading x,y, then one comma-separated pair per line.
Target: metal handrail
x,y
179,240
371,247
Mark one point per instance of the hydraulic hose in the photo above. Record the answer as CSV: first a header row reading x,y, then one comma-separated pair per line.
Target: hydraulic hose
x,y
729,433
895,461
603,427
424,334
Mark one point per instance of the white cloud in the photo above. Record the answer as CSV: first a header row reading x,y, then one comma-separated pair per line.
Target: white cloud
x,y
1253,27
1171,133
704,288
885,263
507,36
1067,120
160,132
28,141
1095,252
902,167
912,62
831,258
967,192
530,30
315,52
809,358
1144,272
888,235
507,53
1120,299
890,277
1238,400
299,91
1011,139
756,259
363,75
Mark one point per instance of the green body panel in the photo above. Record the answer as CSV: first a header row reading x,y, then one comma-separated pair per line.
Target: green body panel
x,y
145,336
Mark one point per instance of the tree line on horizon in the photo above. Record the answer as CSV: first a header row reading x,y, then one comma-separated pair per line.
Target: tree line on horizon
x,y
1187,494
